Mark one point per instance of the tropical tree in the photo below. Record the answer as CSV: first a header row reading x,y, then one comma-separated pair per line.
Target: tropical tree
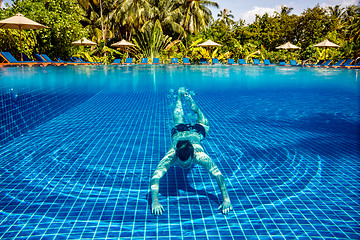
x,y
197,15
352,22
336,17
131,15
312,26
287,24
169,15
61,16
152,41
97,27
226,16
285,11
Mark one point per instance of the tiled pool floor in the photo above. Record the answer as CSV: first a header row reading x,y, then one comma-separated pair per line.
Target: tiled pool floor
x,y
291,164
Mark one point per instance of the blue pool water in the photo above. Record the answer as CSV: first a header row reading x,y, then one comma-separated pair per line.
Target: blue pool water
x,y
79,146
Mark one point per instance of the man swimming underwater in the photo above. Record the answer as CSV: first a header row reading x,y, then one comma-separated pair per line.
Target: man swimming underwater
x,y
186,151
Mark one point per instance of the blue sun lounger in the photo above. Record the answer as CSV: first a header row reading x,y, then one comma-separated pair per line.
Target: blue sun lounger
x,y
11,61
174,61
203,61
283,63
256,61
353,66
186,61
117,61
317,64
231,61
324,64
39,58
25,57
338,63
128,61
155,61
268,63
63,61
347,63
215,61
242,61
46,60
74,60
78,61
144,61
293,63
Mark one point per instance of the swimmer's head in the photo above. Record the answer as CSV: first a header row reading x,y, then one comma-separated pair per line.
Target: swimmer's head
x,y
184,150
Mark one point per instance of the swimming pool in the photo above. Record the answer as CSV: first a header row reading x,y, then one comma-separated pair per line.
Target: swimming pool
x,y
79,146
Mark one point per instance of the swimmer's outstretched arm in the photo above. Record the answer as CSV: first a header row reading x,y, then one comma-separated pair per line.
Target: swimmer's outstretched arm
x,y
161,169
205,161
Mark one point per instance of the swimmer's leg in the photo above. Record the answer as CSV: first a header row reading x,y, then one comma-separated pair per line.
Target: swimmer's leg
x,y
194,107
178,114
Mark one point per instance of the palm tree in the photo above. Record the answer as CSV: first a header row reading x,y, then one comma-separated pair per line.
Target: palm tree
x,y
353,15
225,16
336,16
91,19
197,15
169,14
131,15
285,11
94,21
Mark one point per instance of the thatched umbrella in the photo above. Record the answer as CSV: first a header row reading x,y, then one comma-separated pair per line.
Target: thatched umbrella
x,y
288,46
209,44
20,22
123,44
84,42
326,44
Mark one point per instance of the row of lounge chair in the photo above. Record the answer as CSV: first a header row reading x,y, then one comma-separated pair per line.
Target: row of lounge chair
x,y
41,60
44,60
185,61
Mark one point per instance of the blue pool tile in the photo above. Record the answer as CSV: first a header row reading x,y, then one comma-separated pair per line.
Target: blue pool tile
x,y
78,165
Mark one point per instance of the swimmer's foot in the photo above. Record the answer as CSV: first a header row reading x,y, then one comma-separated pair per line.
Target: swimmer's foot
x,y
181,91
191,102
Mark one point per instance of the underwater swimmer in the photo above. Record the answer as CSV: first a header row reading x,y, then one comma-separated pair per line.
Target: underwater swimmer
x,y
186,151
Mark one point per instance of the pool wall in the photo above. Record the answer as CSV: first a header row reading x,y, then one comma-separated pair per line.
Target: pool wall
x,y
23,109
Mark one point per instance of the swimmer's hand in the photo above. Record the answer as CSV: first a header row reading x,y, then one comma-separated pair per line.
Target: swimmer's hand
x,y
225,207
157,209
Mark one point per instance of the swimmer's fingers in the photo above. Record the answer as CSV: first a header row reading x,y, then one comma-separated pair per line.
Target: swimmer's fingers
x,y
157,209
225,207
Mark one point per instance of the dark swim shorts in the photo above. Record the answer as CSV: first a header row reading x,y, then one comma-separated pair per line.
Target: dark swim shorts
x,y
188,127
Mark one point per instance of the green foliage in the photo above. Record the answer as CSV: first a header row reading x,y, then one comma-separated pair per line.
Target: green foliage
x,y
151,41
62,18
166,29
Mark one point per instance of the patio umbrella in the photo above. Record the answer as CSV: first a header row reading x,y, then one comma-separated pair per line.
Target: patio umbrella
x,y
288,46
326,44
84,42
209,44
123,44
20,22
